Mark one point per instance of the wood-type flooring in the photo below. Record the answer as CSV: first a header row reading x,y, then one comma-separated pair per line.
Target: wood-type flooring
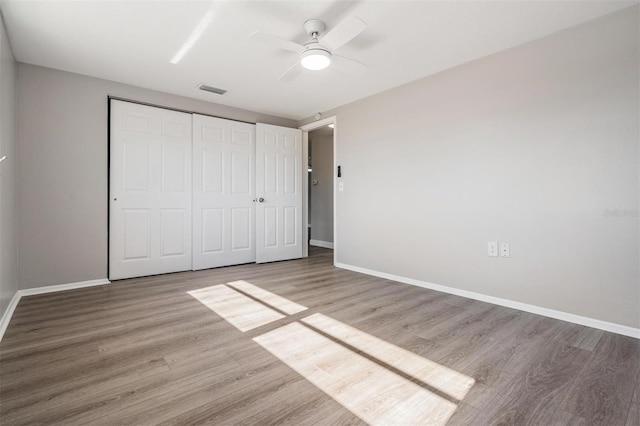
x,y
145,351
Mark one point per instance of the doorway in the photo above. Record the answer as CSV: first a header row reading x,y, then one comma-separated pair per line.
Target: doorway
x,y
319,140
320,200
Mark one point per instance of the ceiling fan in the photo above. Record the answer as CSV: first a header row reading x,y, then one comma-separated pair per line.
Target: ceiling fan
x,y
317,53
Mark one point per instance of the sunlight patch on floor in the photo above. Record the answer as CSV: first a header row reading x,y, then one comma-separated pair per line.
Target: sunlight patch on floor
x,y
432,374
367,389
282,304
380,383
241,311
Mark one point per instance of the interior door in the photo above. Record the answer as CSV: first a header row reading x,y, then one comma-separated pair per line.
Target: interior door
x,y
279,193
223,192
150,191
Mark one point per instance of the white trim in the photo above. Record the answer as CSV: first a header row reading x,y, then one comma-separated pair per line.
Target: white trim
x,y
6,317
551,313
320,123
305,193
318,243
305,182
62,287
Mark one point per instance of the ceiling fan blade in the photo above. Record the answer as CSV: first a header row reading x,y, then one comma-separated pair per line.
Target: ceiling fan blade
x,y
277,42
348,65
294,71
344,32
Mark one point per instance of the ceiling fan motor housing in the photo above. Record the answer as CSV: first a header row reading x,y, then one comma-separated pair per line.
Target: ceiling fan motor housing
x,y
315,46
314,27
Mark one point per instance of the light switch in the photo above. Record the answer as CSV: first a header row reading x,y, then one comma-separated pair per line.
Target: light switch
x,y
314,181
492,249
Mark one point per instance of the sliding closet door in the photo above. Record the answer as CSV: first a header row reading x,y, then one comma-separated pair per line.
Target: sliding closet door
x,y
150,191
279,191
223,192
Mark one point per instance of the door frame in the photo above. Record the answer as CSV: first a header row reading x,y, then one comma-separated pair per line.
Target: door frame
x,y
305,182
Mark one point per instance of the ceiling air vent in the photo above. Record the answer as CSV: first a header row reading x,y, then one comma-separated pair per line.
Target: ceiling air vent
x,y
212,89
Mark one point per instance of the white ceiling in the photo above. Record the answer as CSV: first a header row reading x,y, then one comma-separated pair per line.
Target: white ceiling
x,y
133,42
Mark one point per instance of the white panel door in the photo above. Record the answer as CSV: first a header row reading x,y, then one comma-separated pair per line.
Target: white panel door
x,y
150,191
223,192
279,192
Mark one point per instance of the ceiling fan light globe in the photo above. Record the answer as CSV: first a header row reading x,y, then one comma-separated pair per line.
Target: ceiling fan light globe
x,y
315,59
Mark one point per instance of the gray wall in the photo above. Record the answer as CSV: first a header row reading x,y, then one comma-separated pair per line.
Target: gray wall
x,y
62,170
8,247
321,196
532,146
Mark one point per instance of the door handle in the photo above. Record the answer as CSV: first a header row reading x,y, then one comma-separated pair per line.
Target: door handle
x,y
261,200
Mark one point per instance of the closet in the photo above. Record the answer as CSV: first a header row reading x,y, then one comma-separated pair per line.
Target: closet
x,y
189,191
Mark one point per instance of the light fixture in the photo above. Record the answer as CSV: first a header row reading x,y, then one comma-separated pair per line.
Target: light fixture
x,y
315,59
330,126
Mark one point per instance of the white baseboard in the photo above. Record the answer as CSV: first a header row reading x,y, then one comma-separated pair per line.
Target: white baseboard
x,y
63,287
551,313
318,243
6,318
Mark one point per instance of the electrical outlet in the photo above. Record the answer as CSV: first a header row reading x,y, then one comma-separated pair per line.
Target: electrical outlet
x,y
493,249
504,250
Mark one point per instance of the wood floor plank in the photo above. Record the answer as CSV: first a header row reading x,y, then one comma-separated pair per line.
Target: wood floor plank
x,y
373,393
509,354
476,339
62,397
433,375
243,402
217,397
282,304
143,351
238,309
603,393
58,357
464,415
508,357
579,336
636,393
113,403
464,338
536,394
567,419
633,418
